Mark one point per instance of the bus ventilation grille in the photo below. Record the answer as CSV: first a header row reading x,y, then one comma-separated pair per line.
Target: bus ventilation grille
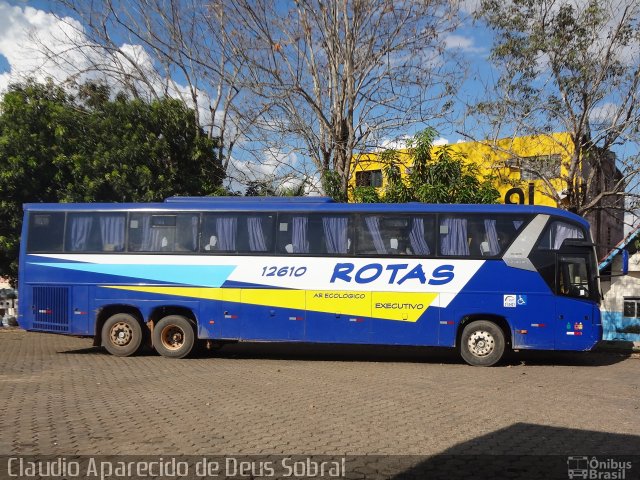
x,y
51,308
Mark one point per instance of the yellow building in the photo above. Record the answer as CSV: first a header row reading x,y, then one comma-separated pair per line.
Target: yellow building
x,y
511,161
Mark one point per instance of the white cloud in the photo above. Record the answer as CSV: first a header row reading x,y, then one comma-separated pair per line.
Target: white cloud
x,y
21,28
604,113
400,143
278,169
463,43
392,144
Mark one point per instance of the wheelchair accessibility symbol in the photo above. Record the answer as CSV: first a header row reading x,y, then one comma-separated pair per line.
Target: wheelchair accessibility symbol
x,y
513,300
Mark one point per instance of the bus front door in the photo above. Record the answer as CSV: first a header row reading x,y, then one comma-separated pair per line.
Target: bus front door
x,y
576,324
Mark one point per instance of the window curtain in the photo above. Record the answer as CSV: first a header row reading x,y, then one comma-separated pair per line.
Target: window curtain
x,y
80,228
454,242
416,238
492,236
226,228
195,223
257,241
151,237
373,225
335,234
112,231
561,231
299,239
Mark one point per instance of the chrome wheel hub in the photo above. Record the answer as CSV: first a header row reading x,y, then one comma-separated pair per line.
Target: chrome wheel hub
x,y
481,343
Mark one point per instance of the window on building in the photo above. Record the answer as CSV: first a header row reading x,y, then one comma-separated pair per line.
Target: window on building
x,y
631,307
539,167
369,178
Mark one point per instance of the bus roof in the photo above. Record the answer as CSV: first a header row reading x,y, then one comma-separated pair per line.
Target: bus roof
x,y
300,204
217,200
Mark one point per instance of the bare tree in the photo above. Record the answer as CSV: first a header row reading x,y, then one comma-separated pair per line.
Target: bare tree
x,y
337,76
309,79
570,67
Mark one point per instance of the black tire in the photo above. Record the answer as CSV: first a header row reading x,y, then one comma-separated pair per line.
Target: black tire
x,y
482,343
174,336
122,335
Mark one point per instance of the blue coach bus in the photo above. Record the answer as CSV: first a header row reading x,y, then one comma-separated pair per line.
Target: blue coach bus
x,y
480,278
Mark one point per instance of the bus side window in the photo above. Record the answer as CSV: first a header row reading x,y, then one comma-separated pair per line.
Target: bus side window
x,y
95,232
557,232
370,236
333,230
219,233
454,236
385,234
421,235
186,232
46,232
161,232
256,233
478,235
293,234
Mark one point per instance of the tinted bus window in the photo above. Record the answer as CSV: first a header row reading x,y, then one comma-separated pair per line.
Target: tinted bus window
x,y
384,234
557,232
478,235
161,232
46,231
95,232
317,234
237,232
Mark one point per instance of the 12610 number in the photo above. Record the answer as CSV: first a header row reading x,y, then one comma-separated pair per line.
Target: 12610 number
x,y
283,271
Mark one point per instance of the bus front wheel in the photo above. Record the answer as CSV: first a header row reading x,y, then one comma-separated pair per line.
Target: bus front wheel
x,y
122,334
174,336
482,343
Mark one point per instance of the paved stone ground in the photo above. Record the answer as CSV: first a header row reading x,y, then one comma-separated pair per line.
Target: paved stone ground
x,y
62,396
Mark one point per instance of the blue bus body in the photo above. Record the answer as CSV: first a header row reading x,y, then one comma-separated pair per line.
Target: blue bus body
x,y
359,287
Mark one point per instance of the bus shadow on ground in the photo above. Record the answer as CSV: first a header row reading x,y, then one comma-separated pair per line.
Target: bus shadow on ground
x,y
380,353
524,450
385,353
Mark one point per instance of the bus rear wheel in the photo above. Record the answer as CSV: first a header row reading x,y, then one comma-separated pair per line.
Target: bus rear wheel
x,y
174,336
482,343
122,335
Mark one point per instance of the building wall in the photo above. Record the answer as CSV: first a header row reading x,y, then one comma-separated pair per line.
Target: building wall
x,y
498,161
616,325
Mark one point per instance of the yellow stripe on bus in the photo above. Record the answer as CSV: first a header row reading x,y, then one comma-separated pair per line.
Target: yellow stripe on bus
x,y
400,306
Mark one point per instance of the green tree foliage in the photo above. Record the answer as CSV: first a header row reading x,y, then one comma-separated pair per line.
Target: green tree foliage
x,y
437,176
90,147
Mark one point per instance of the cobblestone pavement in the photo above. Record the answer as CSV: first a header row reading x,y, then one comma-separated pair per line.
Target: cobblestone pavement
x,y
60,395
